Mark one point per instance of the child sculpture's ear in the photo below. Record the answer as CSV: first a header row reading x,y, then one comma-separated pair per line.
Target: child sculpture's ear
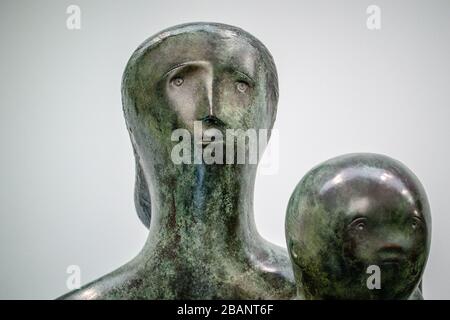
x,y
293,249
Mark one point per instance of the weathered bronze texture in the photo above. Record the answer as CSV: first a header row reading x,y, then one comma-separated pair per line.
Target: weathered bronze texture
x,y
352,212
203,242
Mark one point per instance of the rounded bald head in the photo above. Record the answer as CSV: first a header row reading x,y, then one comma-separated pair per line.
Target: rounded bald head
x,y
352,212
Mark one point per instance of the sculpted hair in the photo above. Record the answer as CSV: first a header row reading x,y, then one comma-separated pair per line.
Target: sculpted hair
x,y
221,29
142,196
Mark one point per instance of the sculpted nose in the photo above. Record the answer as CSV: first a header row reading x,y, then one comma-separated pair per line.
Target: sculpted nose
x,y
209,91
207,108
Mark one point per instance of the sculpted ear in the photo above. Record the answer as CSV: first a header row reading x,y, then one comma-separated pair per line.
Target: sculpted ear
x,y
293,249
142,200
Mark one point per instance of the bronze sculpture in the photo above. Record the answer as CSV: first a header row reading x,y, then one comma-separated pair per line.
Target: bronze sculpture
x,y
353,212
203,242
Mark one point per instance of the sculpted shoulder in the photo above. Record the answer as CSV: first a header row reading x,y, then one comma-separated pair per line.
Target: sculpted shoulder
x,y
114,285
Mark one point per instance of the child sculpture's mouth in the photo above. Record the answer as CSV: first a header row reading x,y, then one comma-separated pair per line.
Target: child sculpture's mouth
x,y
391,261
392,255
392,258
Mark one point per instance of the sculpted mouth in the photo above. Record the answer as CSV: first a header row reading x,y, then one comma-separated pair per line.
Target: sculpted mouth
x,y
212,138
213,121
392,254
392,261
212,142
212,131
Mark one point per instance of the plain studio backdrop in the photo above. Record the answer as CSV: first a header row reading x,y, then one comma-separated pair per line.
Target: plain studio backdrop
x,y
66,166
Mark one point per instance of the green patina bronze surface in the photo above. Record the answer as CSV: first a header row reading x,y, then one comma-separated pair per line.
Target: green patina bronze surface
x,y
202,243
351,212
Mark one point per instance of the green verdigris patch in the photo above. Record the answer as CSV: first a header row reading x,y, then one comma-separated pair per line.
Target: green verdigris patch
x,y
202,242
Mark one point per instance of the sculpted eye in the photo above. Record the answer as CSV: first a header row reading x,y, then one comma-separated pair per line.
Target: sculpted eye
x,y
415,223
242,86
177,81
359,224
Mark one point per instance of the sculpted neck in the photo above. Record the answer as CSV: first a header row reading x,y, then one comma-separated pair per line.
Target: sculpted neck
x,y
209,206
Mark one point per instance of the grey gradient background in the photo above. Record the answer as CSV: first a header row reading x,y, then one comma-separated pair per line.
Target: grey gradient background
x,y
66,166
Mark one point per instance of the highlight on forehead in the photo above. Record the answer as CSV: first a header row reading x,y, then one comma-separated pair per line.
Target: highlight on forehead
x,y
220,31
364,179
368,175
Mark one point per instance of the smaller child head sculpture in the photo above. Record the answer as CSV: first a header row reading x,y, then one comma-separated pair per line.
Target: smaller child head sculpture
x,y
358,227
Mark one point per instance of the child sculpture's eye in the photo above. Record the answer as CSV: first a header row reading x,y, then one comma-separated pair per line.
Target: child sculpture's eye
x,y
415,223
358,224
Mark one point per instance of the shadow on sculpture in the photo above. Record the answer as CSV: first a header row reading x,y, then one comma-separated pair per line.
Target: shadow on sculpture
x,y
358,227
347,217
202,242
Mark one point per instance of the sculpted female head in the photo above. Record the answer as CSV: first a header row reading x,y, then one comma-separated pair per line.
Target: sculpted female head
x,y
216,74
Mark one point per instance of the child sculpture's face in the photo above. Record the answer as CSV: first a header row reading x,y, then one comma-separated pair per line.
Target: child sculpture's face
x,y
386,228
360,229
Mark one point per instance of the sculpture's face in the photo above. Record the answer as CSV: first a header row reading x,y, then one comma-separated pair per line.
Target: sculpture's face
x,y
384,226
210,74
362,217
213,77
216,77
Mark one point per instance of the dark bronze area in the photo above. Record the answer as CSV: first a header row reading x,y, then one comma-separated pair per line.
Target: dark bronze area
x,y
346,215
202,242
353,212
